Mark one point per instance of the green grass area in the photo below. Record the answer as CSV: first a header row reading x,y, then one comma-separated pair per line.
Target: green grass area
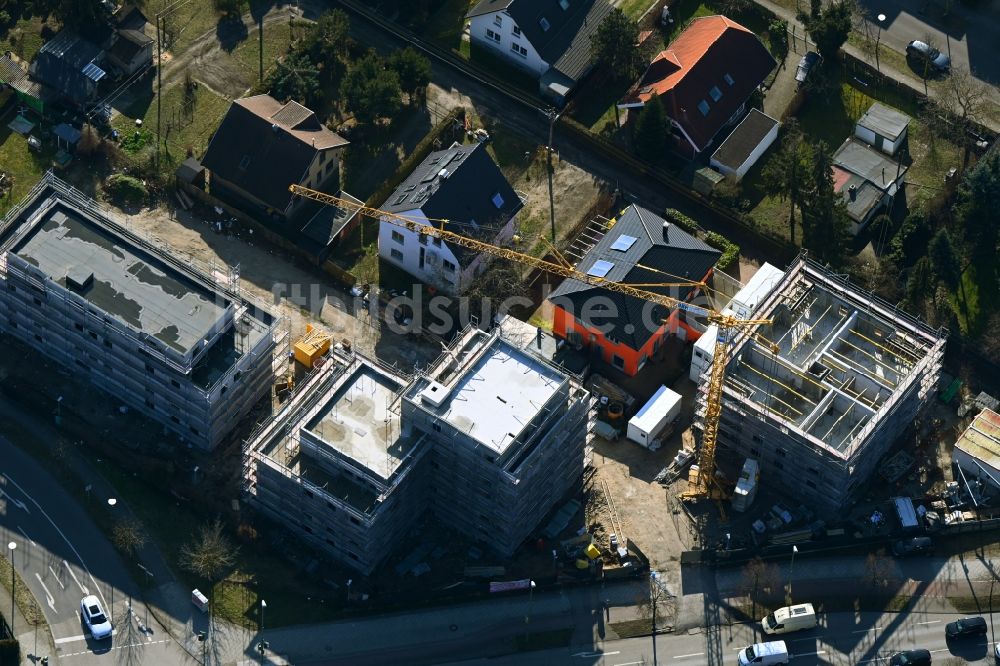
x,y
24,38
182,129
976,297
632,628
25,600
277,40
634,9
187,21
445,26
508,148
19,162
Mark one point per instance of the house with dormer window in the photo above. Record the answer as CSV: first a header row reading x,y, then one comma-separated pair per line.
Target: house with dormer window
x,y
704,79
464,186
550,39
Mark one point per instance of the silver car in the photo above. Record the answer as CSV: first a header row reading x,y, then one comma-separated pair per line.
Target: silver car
x,y
926,54
95,618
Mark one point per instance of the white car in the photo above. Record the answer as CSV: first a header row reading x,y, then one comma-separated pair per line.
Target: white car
x,y
95,617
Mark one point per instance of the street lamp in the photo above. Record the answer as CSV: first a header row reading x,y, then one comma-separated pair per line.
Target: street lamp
x,y
11,546
111,505
791,572
262,645
527,618
881,20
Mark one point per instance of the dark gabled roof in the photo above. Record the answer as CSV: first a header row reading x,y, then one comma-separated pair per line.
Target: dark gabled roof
x,y
263,146
67,62
565,45
653,251
738,146
325,222
128,44
701,58
130,17
465,194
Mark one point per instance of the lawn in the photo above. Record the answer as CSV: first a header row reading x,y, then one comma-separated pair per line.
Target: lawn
x,y
24,38
187,21
17,161
634,9
277,40
182,130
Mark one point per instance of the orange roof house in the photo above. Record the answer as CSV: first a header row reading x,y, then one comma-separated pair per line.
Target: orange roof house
x,y
704,79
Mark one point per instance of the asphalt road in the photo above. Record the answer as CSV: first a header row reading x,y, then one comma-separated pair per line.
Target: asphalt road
x,y
844,639
62,557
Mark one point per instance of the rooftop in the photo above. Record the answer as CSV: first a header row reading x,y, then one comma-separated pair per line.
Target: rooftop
x,y
488,389
120,278
360,419
981,439
738,146
841,356
862,175
885,121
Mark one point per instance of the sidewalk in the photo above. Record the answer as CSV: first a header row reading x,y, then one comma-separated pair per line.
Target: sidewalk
x,y
906,78
35,640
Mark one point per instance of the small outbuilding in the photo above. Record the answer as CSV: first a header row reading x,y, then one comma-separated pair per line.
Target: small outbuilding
x,y
747,143
977,451
662,409
883,128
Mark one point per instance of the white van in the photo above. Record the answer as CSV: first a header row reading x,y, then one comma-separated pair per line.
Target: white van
x,y
764,654
788,619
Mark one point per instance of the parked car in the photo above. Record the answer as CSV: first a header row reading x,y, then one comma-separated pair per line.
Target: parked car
x,y
967,626
911,658
913,546
764,654
927,55
806,65
95,618
790,618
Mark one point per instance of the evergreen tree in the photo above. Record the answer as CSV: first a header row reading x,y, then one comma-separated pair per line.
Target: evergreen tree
x,y
296,78
829,29
978,199
413,68
785,174
944,259
824,215
614,45
370,90
650,137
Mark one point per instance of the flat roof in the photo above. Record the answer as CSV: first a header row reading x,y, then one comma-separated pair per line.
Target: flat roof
x,y
981,439
885,121
743,140
648,417
120,278
360,419
499,395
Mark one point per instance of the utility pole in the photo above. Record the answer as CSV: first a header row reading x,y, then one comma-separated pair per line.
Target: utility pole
x,y
159,85
13,583
260,33
553,117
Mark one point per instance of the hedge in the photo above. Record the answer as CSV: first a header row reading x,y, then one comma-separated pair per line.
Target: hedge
x,y
681,220
730,250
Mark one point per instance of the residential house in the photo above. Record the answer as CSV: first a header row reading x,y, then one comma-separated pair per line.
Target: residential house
x,y
130,17
866,179
131,51
71,65
704,79
465,186
550,39
641,248
14,73
262,147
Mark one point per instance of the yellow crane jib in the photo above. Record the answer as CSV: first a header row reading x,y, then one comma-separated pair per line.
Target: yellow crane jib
x,y
703,482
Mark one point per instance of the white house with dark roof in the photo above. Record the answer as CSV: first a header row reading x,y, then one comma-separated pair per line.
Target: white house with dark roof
x,y
464,186
551,39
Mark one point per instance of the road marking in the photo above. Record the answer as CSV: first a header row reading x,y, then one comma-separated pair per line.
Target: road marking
x,y
865,631
808,654
685,656
49,599
56,528
56,576
116,647
930,622
70,569
18,503
81,637
595,654
630,663
26,536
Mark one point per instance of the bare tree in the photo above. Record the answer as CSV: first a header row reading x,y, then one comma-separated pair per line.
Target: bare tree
x,y
209,555
878,567
966,99
761,582
128,536
656,606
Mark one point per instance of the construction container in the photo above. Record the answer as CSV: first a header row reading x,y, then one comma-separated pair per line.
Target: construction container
x,y
311,346
746,487
662,409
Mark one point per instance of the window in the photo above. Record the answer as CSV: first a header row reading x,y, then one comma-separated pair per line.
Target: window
x,y
781,452
564,4
755,452
516,31
495,36
149,403
78,327
521,51
175,383
398,237
436,242
396,254
448,266
728,79
498,21
544,24
322,157
37,301
193,430
107,343
422,239
715,93
618,361
703,107
758,439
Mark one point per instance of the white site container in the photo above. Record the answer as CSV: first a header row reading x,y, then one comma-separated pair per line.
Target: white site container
x,y
662,409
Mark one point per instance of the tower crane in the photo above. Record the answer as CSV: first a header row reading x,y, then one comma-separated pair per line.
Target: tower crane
x,y
703,482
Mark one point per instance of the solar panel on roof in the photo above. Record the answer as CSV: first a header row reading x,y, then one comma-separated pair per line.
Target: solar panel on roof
x,y
623,243
600,268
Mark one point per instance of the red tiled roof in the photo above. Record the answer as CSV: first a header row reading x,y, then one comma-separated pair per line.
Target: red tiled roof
x,y
710,48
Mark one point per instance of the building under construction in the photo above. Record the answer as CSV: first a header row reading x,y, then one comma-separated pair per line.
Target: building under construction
x,y
847,375
487,440
128,318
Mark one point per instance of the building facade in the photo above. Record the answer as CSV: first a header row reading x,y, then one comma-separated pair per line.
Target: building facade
x,y
130,319
851,373
362,453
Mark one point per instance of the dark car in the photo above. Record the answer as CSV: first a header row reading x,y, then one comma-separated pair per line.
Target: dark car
x,y
911,658
967,626
806,65
913,546
928,56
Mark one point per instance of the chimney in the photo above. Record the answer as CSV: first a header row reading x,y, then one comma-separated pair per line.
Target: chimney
x,y
666,230
853,192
